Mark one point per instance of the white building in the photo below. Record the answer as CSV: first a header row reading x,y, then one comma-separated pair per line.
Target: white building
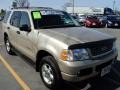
x,y
88,10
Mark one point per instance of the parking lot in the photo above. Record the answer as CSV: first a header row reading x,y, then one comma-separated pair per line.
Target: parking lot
x,y
19,74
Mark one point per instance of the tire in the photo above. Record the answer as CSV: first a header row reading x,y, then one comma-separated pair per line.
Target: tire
x,y
8,46
50,73
106,26
86,25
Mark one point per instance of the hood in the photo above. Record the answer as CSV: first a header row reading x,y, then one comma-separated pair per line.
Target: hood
x,y
115,21
93,20
76,35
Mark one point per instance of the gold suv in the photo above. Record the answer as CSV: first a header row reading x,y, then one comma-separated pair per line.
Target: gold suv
x,y
60,47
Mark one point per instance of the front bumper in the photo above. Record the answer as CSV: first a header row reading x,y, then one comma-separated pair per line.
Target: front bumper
x,y
114,25
95,25
82,70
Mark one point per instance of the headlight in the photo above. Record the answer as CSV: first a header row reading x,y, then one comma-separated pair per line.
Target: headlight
x,y
88,22
74,55
109,22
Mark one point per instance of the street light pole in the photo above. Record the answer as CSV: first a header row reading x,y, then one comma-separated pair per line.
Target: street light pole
x,y
73,6
113,4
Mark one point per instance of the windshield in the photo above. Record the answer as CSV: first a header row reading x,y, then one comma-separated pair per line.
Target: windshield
x,y
82,16
52,19
92,17
118,17
112,18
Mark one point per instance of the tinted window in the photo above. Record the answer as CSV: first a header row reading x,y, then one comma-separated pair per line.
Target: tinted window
x,y
24,19
6,16
15,19
53,19
92,17
108,11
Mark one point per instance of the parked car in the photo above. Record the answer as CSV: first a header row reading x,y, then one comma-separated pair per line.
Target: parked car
x,y
93,21
79,18
75,17
82,19
102,19
113,21
59,48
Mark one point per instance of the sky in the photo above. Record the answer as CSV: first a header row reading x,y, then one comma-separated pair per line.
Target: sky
x,y
58,4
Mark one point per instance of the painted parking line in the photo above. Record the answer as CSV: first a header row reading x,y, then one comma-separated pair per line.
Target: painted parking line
x,y
15,75
1,44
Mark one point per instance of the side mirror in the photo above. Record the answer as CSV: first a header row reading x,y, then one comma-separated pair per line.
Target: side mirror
x,y
25,28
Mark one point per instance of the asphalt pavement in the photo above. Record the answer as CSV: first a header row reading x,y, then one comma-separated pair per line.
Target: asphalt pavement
x,y
31,79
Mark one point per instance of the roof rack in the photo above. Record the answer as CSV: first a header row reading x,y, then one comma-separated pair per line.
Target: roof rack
x,y
32,8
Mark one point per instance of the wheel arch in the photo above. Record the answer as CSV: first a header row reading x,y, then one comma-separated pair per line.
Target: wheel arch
x,y
40,55
5,35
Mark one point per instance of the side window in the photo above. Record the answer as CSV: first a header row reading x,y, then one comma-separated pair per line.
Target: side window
x,y
25,19
6,16
15,19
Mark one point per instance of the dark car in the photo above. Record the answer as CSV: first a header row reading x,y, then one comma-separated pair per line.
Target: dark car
x,y
113,21
102,19
93,21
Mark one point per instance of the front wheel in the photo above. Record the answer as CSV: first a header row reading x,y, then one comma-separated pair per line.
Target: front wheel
x,y
107,26
50,73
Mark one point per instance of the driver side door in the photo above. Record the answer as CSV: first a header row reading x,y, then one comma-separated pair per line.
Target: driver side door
x,y
25,39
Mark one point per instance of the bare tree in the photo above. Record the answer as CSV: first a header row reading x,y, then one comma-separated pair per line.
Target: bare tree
x,y
22,3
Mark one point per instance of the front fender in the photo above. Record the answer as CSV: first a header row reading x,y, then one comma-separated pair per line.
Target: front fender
x,y
52,45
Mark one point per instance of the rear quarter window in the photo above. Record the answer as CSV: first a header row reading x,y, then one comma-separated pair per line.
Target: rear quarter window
x,y
6,16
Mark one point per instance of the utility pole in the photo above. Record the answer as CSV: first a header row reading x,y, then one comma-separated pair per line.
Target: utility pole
x,y
114,4
73,5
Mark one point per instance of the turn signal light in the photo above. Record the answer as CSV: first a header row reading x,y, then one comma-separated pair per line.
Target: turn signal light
x,y
64,55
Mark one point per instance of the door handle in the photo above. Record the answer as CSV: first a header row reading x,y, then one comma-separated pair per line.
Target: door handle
x,y
18,32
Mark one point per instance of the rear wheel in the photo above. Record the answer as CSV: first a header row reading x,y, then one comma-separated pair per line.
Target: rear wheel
x,y
106,26
50,73
8,46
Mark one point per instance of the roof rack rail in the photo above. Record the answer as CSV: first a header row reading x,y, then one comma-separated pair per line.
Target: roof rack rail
x,y
32,8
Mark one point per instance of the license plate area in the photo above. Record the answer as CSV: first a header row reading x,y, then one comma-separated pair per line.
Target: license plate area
x,y
94,23
105,70
101,66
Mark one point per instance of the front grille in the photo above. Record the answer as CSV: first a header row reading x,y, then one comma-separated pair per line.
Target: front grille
x,y
100,67
98,50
